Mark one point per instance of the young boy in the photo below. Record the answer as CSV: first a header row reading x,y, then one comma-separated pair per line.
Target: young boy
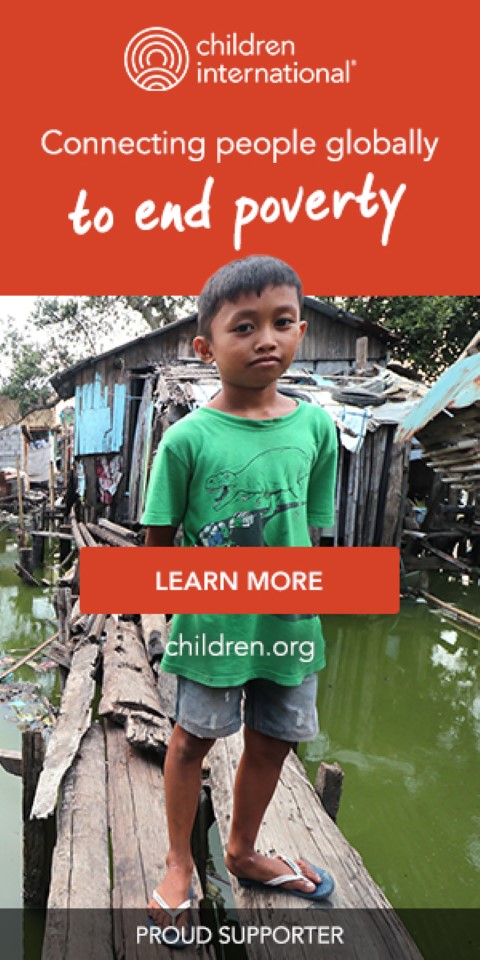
x,y
253,467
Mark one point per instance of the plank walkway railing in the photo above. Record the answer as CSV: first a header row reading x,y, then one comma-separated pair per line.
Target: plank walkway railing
x,y
102,780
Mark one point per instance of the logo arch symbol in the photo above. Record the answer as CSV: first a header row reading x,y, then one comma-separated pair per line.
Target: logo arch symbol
x,y
156,59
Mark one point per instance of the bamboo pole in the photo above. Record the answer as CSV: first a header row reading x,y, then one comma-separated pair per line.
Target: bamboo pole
x,y
20,663
41,646
462,615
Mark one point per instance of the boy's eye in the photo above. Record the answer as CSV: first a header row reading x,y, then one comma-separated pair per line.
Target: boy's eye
x,y
284,321
243,328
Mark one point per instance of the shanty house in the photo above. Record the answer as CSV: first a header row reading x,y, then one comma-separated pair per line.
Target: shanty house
x,y
122,395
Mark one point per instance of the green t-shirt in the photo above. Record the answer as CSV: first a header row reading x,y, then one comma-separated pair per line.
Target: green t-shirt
x,y
233,481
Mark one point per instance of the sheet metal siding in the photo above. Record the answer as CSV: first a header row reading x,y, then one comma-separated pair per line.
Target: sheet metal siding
x,y
456,388
99,417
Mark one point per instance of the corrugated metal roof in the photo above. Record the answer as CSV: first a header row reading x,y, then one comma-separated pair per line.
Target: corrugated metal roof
x,y
456,388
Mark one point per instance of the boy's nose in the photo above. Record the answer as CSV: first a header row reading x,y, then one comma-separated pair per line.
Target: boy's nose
x,y
265,341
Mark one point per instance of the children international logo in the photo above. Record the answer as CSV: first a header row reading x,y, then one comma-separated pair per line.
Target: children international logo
x,y
156,59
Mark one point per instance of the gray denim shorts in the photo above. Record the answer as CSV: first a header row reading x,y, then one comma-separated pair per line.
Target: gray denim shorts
x,y
286,713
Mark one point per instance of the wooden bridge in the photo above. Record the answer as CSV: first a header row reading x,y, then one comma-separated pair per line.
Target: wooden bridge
x,y
99,784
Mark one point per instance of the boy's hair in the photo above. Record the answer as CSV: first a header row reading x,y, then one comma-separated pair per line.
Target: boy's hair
x,y
249,275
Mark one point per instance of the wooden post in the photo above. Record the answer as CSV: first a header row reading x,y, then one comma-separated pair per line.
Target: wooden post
x,y
21,518
361,355
328,785
51,494
38,550
65,545
26,559
37,834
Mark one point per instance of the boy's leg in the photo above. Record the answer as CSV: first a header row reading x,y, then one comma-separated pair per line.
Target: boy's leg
x,y
275,718
203,713
257,776
182,777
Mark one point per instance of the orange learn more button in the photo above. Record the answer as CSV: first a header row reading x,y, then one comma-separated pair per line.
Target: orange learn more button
x,y
244,580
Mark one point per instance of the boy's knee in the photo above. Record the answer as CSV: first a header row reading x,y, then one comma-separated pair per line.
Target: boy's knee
x,y
263,746
190,749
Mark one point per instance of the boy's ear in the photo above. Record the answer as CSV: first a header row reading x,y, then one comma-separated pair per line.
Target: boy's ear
x,y
303,329
203,349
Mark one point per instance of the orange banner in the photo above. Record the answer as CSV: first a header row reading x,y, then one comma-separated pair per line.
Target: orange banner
x,y
144,146
249,580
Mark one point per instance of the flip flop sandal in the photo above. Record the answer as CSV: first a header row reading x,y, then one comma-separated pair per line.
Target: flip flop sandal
x,y
175,941
323,890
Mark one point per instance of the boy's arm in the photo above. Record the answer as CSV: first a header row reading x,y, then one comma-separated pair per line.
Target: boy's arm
x,y
160,536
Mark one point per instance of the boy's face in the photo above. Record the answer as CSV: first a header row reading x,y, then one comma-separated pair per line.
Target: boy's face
x,y
254,340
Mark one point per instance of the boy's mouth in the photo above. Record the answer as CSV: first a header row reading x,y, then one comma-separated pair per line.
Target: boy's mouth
x,y
264,361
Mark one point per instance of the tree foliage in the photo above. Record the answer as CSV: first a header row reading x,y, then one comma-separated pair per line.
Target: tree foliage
x,y
434,330
30,372
65,330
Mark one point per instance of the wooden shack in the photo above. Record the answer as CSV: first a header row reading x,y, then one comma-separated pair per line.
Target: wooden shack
x,y
28,441
116,401
446,424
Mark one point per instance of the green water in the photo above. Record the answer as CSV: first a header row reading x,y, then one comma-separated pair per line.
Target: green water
x,y
399,709
25,620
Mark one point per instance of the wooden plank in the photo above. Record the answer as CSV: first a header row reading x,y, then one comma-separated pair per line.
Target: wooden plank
x,y
296,824
117,528
459,564
129,682
379,441
154,632
393,497
77,535
403,495
79,922
73,722
112,539
146,732
53,535
87,536
167,693
139,839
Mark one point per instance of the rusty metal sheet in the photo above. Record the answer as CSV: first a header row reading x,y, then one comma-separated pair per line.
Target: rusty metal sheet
x,y
458,387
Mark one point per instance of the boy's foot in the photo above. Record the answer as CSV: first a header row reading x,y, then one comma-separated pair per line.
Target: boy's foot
x,y
174,890
260,868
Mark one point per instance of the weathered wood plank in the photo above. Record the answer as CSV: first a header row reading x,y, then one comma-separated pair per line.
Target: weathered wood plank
x,y
167,693
154,632
147,732
139,841
296,824
73,722
79,922
119,529
128,683
106,536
